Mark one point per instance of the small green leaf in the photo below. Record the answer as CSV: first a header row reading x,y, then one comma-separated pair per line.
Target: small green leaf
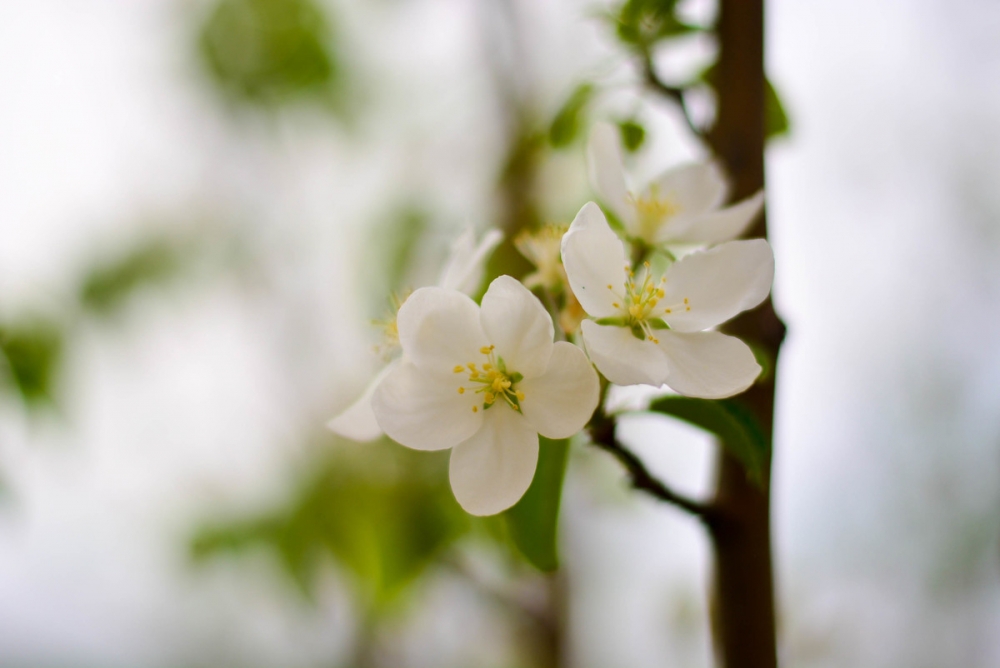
x,y
775,118
735,426
642,23
32,350
633,135
151,261
569,119
269,51
533,522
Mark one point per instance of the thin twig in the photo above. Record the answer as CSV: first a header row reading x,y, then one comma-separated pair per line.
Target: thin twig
x,y
670,92
602,436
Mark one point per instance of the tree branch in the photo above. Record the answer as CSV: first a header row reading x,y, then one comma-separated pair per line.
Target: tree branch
x,y
602,433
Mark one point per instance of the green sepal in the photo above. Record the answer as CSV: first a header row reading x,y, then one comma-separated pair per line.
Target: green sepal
x,y
617,321
657,323
638,333
516,377
533,522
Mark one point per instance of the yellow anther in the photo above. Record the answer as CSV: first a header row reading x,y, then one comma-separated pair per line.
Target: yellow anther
x,y
660,294
616,305
461,390
487,367
519,394
472,367
458,368
485,350
685,300
475,409
609,287
489,398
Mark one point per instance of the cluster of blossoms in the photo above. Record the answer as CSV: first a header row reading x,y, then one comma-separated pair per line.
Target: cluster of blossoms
x,y
486,379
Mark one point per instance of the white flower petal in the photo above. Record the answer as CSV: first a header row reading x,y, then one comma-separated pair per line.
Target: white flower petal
x,y
560,402
709,365
493,469
718,284
518,325
622,358
718,226
695,188
357,422
607,175
439,329
463,271
423,410
594,258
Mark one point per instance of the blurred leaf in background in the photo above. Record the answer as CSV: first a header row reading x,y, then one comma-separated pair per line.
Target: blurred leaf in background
x,y
570,118
32,349
642,23
151,261
633,134
268,52
775,118
382,512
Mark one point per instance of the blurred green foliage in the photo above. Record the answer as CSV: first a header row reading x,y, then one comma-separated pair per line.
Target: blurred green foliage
x,y
382,512
533,522
733,423
32,349
269,51
569,120
776,122
633,135
642,23
150,262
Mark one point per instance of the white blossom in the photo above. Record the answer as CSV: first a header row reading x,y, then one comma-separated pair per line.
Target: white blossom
x,y
463,271
682,206
485,382
648,328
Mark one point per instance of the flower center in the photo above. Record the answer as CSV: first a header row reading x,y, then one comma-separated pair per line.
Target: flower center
x,y
492,379
653,211
640,304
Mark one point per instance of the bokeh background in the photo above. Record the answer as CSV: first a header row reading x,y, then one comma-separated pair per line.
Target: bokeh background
x,y
203,203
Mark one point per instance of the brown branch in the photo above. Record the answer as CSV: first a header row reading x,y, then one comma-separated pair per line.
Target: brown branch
x,y
602,434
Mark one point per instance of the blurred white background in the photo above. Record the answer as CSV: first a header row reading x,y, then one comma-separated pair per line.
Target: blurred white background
x,y
884,210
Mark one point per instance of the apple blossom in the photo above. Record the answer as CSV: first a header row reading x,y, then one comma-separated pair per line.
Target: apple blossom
x,y
682,206
648,329
484,381
463,271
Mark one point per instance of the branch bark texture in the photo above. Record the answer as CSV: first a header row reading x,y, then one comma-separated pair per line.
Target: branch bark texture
x,y
743,610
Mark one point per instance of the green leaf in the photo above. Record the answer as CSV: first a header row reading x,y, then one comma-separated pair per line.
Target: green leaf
x,y
32,349
735,426
633,135
383,513
149,262
268,51
776,122
642,23
533,522
568,121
